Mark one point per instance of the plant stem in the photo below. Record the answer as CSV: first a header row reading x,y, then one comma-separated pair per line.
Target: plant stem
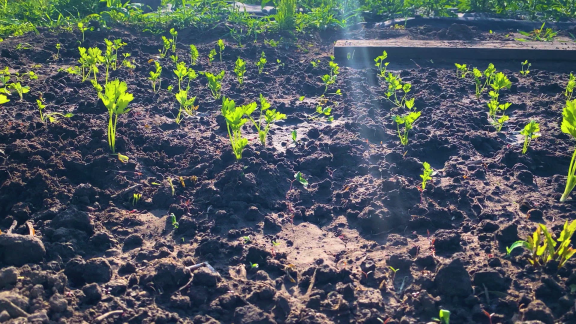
x,y
571,181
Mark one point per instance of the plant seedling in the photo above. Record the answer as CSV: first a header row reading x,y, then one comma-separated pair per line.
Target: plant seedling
x,y
382,66
529,132
167,45
174,59
270,116
183,72
171,184
116,100
3,99
478,75
234,122
261,62
173,221
215,83
570,87
82,29
174,35
254,265
394,85
185,104
393,273
426,174
5,76
407,121
568,126
221,47
461,70
246,239
57,55
540,35
322,111
50,116
155,76
525,68
211,55
21,90
443,317
330,79
194,55
240,69
300,178
544,248
295,136
123,158
136,198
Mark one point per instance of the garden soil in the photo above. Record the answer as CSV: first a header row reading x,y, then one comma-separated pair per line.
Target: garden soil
x,y
361,243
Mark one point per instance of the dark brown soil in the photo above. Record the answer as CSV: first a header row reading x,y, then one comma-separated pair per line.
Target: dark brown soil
x,y
95,253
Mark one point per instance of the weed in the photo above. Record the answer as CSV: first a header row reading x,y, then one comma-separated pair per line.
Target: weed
x,y
286,14
382,66
155,76
116,100
194,55
426,175
544,248
221,47
529,132
50,116
525,68
261,62
539,35
263,124
234,122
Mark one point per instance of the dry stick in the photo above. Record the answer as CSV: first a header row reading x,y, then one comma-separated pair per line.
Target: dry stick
x,y
12,227
104,316
123,191
312,281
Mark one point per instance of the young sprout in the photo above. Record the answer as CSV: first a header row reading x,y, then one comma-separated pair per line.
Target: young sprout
x,y
174,59
136,198
461,70
221,47
295,136
50,116
322,112
488,74
393,273
185,104
171,184
3,99
21,90
194,55
443,317
254,265
174,34
173,221
407,121
215,83
261,62
123,158
116,100
525,68
382,66
57,55
240,70
211,55
234,122
426,175
270,116
82,29
394,85
300,178
167,45
570,87
330,79
529,132
568,126
246,239
4,76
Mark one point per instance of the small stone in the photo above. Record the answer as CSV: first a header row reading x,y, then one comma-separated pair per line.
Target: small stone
x,y
449,274
97,270
17,250
538,311
205,277
492,279
73,218
525,176
508,234
133,241
58,304
4,316
8,277
535,214
170,276
92,293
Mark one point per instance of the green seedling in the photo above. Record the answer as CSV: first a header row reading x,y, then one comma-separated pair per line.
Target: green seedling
x,y
300,178
330,79
295,136
525,68
136,198
167,45
426,175
529,132
221,47
568,126
3,99
194,55
155,76
21,90
123,158
183,72
240,70
211,55
254,265
443,317
570,87
266,119
82,29
4,76
539,35
382,66
407,121
94,58
173,221
234,122
116,100
544,248
482,84
301,98
185,104
461,70
393,273
215,83
322,112
126,62
246,239
57,55
395,84
51,117
261,62
174,35
174,59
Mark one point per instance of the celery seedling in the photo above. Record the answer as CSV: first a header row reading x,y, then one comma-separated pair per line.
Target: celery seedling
x,y
167,45
544,248
82,29
185,104
215,83
381,64
330,79
270,116
173,221
3,99
155,76
300,178
461,70
426,174
570,87
529,132
57,55
569,127
488,74
261,62
322,111
174,59
526,70
407,121
443,317
240,69
174,34
50,116
21,90
193,55
294,136
5,76
221,48
136,198
234,122
116,100
211,55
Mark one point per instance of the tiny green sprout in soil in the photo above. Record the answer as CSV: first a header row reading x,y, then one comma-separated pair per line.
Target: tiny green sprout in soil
x,y
194,55
186,105
482,79
155,77
381,64
265,120
215,83
173,221
544,248
443,317
570,87
525,68
240,70
406,120
568,126
529,132
246,239
254,265
294,136
426,175
51,117
116,100
300,178
234,121
261,62
211,55
136,198
461,70
221,47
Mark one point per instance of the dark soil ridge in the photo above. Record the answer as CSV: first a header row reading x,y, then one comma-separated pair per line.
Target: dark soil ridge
x,y
95,253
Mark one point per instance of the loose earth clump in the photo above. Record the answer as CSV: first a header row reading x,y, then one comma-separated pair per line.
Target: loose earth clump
x,y
323,219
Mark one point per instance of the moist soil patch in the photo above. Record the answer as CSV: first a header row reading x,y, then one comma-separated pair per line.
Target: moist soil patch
x,y
272,250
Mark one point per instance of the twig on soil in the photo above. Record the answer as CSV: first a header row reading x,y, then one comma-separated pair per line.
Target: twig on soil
x,y
202,264
312,281
123,191
30,228
12,227
104,316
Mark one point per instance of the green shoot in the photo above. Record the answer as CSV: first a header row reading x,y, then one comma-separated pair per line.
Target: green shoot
x,y
21,90
394,85
185,104
50,116
330,79
82,29
155,76
211,55
136,198
3,99
261,62
57,55
171,184
246,239
322,112
174,34
525,68
215,83
544,248
529,132
426,174
127,63
254,265
194,55
300,178
407,121
443,317
295,136
270,116
174,59
240,69
570,87
234,122
4,76
568,126
116,100
381,64
461,70
167,45
478,75
173,221
393,273
221,47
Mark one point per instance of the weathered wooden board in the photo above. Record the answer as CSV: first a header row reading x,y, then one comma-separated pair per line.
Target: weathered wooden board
x,y
463,50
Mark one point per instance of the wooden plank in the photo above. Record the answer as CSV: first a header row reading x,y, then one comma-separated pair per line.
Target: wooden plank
x,y
462,50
